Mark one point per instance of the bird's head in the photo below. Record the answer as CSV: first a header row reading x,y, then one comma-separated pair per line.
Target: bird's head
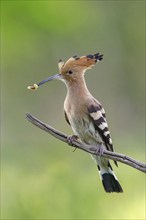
x,y
72,69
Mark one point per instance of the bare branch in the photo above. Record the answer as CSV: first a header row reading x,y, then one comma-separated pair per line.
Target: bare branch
x,y
88,148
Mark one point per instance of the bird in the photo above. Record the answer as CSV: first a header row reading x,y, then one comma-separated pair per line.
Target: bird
x,y
85,114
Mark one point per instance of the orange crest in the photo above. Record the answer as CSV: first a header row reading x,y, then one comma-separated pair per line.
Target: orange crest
x,y
80,63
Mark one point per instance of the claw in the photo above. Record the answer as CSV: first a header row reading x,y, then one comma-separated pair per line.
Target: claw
x,y
74,149
72,138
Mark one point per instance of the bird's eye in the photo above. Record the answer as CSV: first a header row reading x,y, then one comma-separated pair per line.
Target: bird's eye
x,y
70,71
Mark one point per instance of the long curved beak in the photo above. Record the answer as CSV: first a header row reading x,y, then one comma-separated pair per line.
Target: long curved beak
x,y
35,86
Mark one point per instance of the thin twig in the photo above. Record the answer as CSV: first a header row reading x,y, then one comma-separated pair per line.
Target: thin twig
x,y
88,148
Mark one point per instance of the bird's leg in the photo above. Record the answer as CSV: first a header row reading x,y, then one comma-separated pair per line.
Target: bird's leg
x,y
72,138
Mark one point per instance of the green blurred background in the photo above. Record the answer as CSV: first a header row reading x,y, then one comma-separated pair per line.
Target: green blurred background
x,y
41,177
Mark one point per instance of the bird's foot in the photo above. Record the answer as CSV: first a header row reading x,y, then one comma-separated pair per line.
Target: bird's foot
x,y
100,149
72,138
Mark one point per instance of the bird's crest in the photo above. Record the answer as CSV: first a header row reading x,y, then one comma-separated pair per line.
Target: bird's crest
x,y
84,62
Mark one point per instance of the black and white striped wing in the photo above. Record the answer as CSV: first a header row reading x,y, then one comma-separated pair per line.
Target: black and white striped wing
x,y
98,117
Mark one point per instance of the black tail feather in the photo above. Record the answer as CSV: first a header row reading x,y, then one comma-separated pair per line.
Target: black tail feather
x,y
110,183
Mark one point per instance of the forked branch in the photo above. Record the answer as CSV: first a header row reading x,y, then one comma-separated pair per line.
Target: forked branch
x,y
88,148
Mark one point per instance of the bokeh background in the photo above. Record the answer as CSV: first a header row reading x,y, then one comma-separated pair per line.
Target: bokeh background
x,y
41,177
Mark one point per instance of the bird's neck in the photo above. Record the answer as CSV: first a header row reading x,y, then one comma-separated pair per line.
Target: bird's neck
x,y
77,88
77,95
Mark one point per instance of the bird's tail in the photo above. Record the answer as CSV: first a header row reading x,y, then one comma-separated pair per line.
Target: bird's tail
x,y
109,179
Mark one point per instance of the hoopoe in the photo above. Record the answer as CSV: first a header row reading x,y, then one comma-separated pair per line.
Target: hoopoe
x,y
85,114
